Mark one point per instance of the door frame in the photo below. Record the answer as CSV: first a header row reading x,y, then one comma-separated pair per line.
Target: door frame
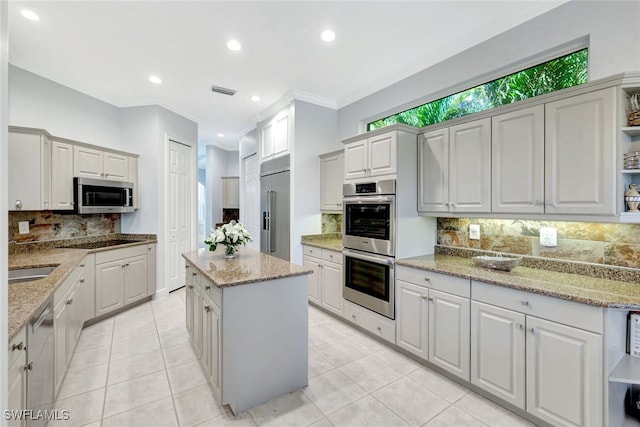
x,y
163,253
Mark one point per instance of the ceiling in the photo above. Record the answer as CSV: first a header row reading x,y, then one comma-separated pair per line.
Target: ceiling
x,y
109,49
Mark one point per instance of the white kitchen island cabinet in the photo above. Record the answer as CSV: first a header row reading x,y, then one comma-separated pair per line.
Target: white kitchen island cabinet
x,y
248,321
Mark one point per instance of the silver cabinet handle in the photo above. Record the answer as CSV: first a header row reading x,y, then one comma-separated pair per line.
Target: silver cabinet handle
x,y
427,279
430,298
70,301
81,280
531,330
207,287
379,329
518,325
424,296
194,274
82,265
190,286
18,347
186,266
29,367
207,308
18,204
524,302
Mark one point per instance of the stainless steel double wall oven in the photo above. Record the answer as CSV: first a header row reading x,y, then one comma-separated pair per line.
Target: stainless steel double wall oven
x,y
369,215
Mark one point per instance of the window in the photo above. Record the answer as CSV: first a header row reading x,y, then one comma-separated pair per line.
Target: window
x,y
565,71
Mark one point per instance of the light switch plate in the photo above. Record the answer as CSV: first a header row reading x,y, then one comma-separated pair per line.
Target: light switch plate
x,y
474,231
548,237
23,227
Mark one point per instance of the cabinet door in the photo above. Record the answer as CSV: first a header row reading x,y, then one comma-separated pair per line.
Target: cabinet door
x,y
60,330
331,177
517,151
449,335
564,374
87,162
355,159
215,336
580,159
470,167
61,176
205,309
116,167
230,193
109,286
74,322
196,338
87,288
135,279
412,318
17,389
497,352
383,154
151,269
281,135
315,279
189,296
332,278
433,171
29,172
266,142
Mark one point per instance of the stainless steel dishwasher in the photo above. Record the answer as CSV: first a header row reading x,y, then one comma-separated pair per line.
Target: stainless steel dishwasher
x,y
40,352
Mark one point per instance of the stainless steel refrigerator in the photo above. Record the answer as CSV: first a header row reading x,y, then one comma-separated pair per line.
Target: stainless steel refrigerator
x,y
274,206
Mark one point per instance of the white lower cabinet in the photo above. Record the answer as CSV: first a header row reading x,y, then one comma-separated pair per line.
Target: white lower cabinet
x,y
541,354
325,284
121,278
378,325
17,378
210,343
431,323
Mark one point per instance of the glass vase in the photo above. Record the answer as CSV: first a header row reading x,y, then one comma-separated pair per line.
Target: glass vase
x,y
229,252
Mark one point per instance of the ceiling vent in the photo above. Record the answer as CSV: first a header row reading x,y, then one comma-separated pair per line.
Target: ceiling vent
x,y
223,90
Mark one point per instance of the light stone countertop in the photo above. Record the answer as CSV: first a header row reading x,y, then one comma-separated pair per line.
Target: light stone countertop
x,y
331,241
573,287
26,299
248,266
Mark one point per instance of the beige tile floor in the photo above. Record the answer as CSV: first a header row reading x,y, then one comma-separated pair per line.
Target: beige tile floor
x,y
138,369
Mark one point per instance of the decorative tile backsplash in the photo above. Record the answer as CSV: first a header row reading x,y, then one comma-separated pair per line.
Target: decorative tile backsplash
x,y
599,243
331,223
46,225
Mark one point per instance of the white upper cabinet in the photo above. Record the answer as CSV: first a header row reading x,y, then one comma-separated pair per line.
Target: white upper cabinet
x,y
274,136
331,177
29,171
373,156
517,149
230,192
61,176
580,148
98,164
454,172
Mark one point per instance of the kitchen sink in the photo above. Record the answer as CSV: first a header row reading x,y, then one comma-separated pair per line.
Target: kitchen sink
x,y
28,274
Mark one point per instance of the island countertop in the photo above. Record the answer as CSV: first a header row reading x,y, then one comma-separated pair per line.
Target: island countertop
x,y
248,266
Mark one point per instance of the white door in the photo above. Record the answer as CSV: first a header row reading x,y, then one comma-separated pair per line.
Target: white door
x,y
180,208
332,278
250,209
382,154
497,352
412,318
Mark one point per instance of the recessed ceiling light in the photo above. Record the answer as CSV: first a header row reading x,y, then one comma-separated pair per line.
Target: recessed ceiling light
x,y
155,79
29,15
234,45
328,36
221,135
255,98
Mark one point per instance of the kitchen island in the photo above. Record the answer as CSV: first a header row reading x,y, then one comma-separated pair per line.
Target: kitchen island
x,y
248,323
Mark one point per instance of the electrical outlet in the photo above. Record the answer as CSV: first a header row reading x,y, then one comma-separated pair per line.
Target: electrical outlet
x,y
548,237
23,227
474,231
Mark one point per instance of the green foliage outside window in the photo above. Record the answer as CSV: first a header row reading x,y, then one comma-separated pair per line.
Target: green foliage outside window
x,y
566,71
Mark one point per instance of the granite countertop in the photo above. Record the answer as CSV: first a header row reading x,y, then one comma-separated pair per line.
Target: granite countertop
x,y
28,298
249,266
573,287
331,241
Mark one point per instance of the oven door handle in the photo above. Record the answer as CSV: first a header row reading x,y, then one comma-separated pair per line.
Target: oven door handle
x,y
370,258
369,199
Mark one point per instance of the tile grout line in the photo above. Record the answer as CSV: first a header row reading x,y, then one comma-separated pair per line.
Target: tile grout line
x,y
104,399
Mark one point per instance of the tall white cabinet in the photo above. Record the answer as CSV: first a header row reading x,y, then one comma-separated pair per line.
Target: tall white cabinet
x,y
29,171
331,178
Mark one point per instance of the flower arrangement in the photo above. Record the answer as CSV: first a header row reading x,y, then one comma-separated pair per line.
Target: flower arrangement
x,y
230,235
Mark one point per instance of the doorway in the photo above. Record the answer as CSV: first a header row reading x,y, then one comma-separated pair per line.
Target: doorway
x,y
180,208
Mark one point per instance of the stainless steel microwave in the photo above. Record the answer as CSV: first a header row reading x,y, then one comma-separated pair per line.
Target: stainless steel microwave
x,y
102,196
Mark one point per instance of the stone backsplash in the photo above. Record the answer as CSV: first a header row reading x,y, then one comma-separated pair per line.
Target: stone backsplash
x,y
331,223
47,225
599,243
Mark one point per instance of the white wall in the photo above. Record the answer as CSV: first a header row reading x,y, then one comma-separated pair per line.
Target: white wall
x,y
41,103
233,163
315,133
611,27
4,259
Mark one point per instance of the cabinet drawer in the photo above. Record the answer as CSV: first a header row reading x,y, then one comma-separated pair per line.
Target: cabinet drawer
x,y
20,343
558,310
332,256
312,251
122,253
429,279
377,325
214,292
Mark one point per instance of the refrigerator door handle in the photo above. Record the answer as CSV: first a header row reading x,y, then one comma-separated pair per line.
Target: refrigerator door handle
x,y
268,221
270,207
